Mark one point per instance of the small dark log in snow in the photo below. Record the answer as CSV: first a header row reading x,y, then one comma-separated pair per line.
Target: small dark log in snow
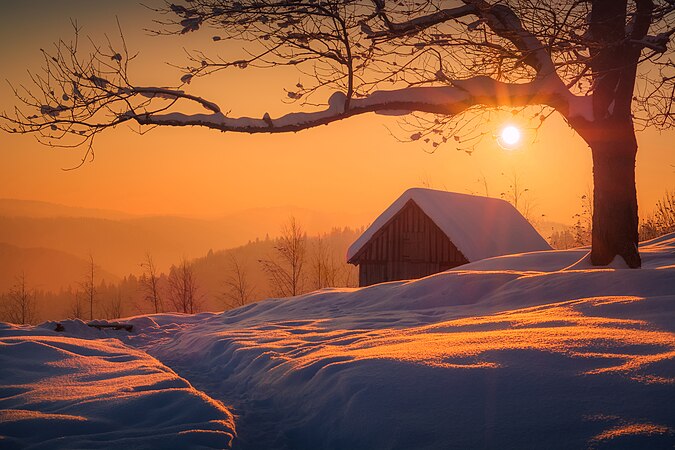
x,y
113,325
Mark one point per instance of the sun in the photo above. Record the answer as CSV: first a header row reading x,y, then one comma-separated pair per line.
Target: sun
x,y
509,137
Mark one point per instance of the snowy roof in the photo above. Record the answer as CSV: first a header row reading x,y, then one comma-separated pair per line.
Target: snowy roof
x,y
480,227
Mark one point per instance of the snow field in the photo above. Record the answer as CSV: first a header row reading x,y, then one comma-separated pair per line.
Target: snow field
x,y
537,350
64,392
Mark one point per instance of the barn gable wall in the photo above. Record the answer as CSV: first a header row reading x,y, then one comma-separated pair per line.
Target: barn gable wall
x,y
409,246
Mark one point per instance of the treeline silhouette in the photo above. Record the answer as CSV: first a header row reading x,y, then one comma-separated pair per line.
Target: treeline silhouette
x,y
289,264
221,279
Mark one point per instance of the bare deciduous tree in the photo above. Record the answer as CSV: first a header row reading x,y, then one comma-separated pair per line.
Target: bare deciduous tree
x,y
77,307
113,308
604,65
483,180
319,264
149,283
183,290
349,276
662,220
19,305
325,269
519,196
88,286
583,224
285,267
562,239
238,289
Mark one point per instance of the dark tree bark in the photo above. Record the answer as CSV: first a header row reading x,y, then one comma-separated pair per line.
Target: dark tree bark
x,y
615,213
612,135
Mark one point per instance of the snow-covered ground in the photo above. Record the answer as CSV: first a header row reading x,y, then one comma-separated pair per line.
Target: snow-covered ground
x,y
65,392
537,350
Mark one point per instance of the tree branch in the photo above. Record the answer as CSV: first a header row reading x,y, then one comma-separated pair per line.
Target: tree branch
x,y
172,94
419,23
505,23
446,100
499,18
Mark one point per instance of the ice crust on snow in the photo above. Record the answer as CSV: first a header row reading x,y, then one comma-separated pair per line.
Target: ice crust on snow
x,y
480,227
511,352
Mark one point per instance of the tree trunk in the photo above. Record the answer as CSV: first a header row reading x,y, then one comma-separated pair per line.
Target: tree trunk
x,y
615,214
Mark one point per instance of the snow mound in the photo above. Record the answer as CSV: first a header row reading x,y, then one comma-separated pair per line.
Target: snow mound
x,y
63,392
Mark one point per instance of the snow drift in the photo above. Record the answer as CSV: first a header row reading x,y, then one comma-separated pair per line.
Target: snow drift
x,y
64,392
536,350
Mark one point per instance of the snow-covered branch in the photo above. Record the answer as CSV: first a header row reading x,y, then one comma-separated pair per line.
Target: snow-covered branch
x,y
446,100
172,94
485,53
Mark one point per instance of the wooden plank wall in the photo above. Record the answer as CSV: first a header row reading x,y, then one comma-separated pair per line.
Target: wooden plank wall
x,y
409,246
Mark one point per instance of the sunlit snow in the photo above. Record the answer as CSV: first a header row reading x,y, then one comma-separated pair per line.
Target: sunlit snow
x,y
537,350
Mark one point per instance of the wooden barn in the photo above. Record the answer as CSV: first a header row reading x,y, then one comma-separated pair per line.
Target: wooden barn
x,y
427,231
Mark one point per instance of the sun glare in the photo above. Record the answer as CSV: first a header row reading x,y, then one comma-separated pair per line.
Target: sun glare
x,y
509,137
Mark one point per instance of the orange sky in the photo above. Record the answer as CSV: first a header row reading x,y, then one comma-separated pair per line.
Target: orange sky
x,y
355,165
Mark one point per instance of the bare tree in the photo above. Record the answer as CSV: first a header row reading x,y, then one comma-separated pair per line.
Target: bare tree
x,y
88,286
20,303
349,276
562,239
662,220
319,262
77,307
149,283
238,289
584,220
113,308
483,180
183,290
519,196
324,268
664,215
285,267
604,65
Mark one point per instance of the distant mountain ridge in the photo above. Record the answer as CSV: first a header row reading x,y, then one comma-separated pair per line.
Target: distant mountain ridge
x,y
119,242
10,207
45,269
